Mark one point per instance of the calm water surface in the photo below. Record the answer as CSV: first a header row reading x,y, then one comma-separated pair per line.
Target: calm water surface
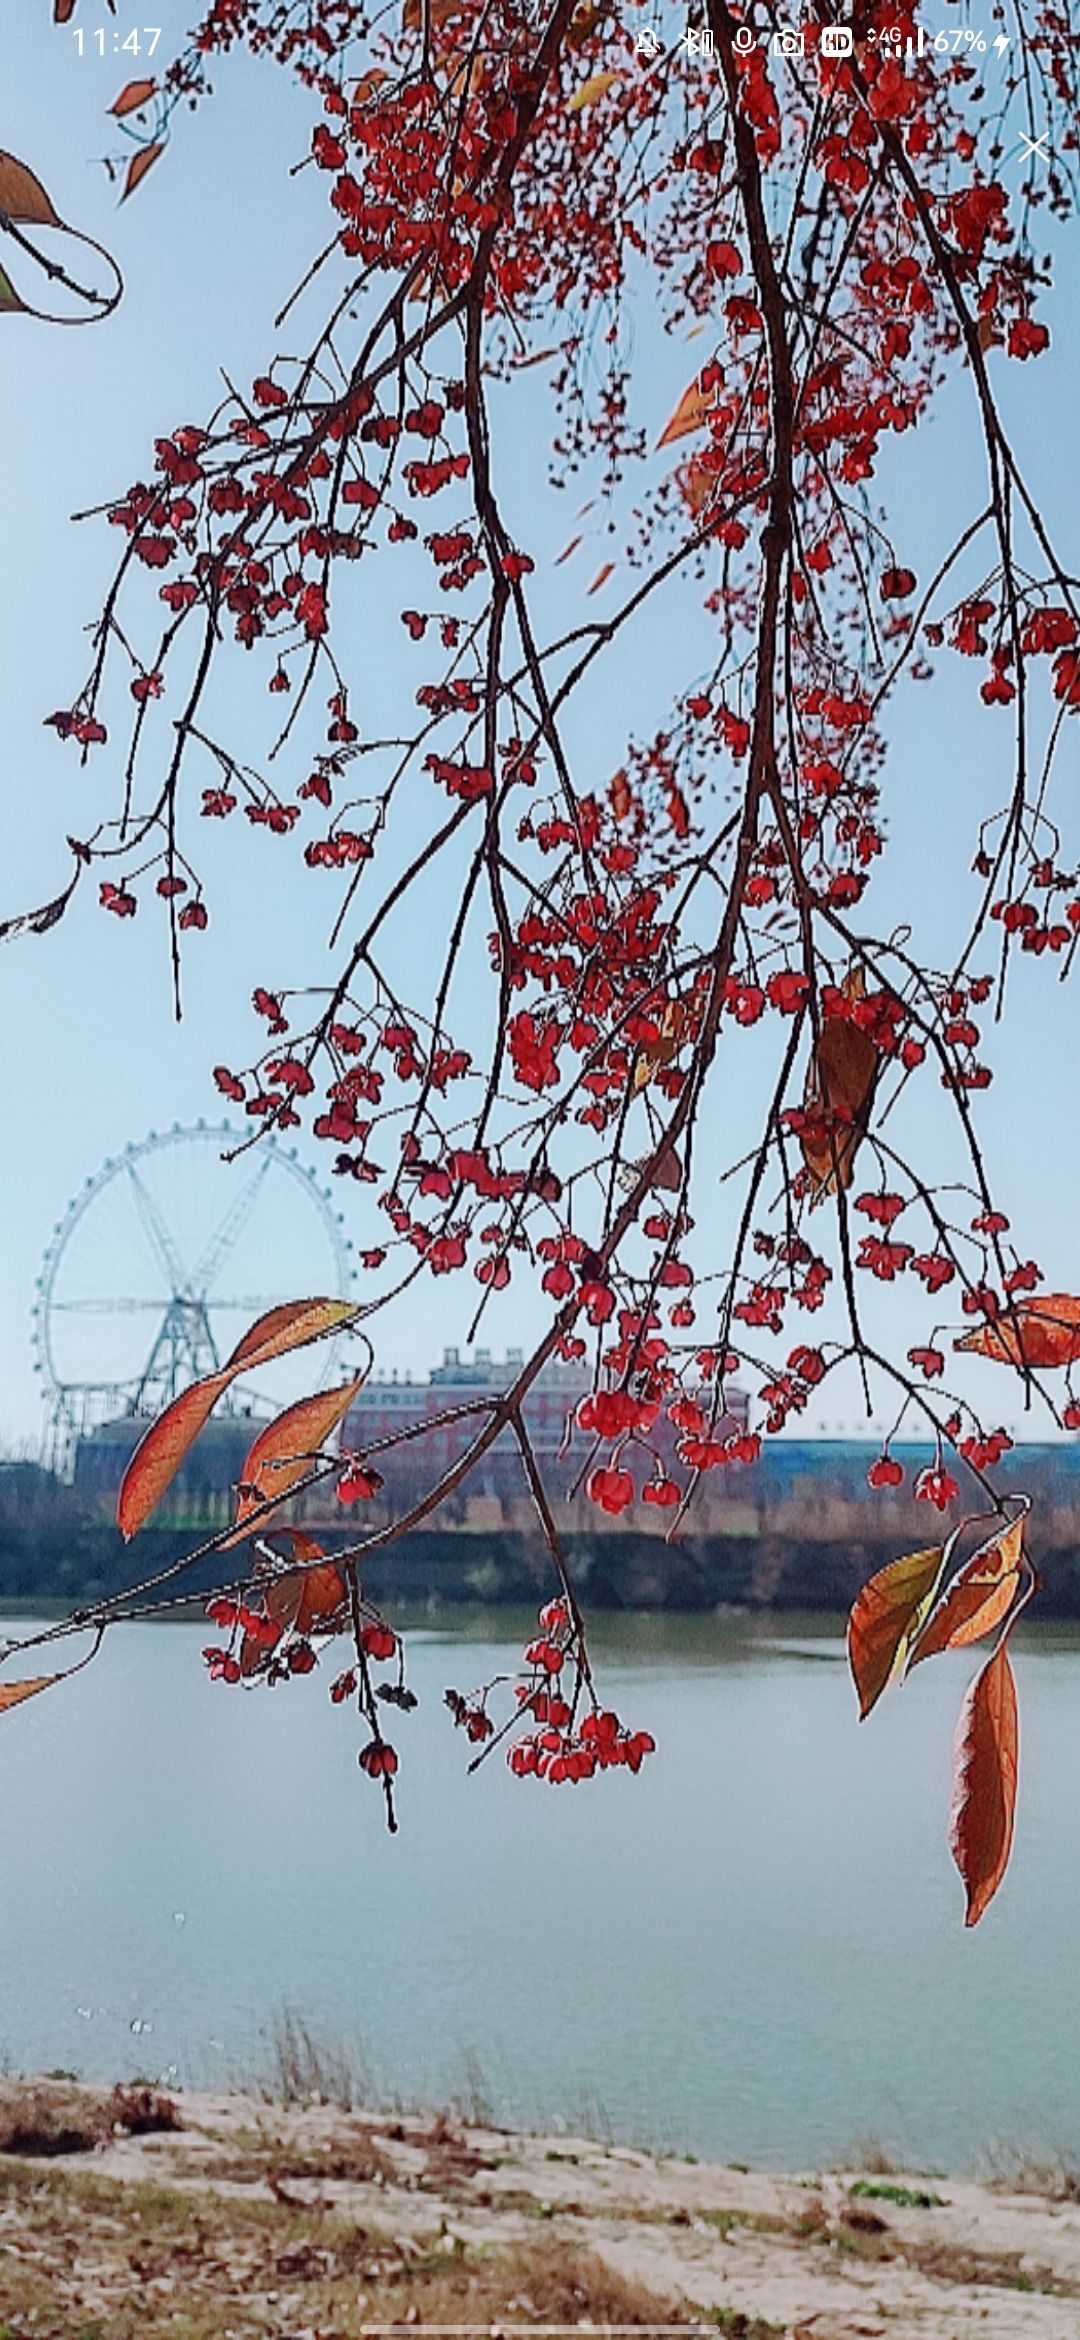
x,y
754,1950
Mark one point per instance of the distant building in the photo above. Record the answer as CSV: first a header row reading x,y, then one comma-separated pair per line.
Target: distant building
x,y
387,1406
202,1488
444,1413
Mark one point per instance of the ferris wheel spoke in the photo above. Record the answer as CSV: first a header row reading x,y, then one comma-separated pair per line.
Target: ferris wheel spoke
x,y
227,1235
108,1307
157,1232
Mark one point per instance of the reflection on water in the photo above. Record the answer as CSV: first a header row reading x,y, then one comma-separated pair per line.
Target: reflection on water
x,y
752,1950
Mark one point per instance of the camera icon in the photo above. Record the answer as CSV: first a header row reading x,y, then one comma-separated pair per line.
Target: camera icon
x,y
836,40
787,41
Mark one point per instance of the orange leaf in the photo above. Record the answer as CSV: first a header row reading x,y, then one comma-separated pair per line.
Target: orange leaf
x,y
1040,1333
666,1045
601,576
62,10
412,15
980,1595
12,1693
884,1618
290,1326
691,413
367,85
298,1598
282,1453
159,1454
567,550
23,197
132,96
985,1761
697,482
467,78
137,168
310,1596
840,1086
583,23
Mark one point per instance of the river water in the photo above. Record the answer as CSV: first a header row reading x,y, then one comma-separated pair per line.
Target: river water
x,y
753,1951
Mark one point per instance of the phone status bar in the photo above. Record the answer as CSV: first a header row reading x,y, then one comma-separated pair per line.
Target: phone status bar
x,y
832,40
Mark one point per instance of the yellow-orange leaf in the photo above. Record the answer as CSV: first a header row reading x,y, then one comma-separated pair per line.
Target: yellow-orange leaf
x,y
10,301
159,1454
12,1693
884,1618
979,1597
985,1762
595,87
1041,1333
23,197
133,95
692,411
290,1326
601,576
282,1452
137,168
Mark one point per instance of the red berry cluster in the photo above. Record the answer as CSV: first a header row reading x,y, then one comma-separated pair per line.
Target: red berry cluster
x,y
470,1716
600,1742
359,1482
562,1749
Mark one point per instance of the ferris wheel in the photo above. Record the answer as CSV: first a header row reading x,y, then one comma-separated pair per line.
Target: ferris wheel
x,y
159,1265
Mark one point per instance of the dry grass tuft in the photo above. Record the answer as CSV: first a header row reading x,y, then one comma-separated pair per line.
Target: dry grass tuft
x,y
1053,2176
308,2070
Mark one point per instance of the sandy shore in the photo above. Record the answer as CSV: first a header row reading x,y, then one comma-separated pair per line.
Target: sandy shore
x,y
307,2223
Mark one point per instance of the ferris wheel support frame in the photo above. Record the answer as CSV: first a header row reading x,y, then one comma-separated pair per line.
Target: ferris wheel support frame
x,y
183,1347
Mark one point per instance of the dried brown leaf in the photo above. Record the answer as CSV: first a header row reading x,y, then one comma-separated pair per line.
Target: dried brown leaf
x,y
140,163
23,197
985,1766
884,1618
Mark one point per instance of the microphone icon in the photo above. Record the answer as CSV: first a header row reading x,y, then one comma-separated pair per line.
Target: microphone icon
x,y
744,40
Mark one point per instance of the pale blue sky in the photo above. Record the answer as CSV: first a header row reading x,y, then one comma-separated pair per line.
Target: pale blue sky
x,y
92,1057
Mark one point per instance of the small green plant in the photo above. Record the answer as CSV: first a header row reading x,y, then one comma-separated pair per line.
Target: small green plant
x,y
743,2327
904,2197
